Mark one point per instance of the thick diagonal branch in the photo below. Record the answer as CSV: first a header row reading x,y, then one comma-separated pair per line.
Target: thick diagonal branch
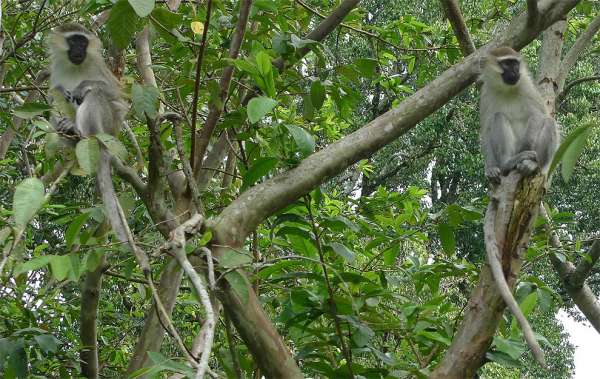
x,y
454,15
580,45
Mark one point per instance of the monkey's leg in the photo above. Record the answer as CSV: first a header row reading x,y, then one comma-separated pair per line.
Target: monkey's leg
x,y
503,146
546,141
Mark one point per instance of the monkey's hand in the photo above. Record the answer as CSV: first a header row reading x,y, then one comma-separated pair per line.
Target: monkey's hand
x,y
66,127
493,174
527,167
66,94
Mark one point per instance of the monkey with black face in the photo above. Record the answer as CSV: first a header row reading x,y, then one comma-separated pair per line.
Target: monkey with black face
x,y
517,133
79,73
517,130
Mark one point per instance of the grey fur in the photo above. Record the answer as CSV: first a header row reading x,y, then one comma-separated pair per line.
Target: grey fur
x,y
99,108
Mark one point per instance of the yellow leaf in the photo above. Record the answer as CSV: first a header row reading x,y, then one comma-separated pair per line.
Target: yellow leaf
x,y
197,27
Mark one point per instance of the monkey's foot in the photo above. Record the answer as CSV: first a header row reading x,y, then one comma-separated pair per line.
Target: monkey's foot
x,y
527,167
66,126
528,155
493,174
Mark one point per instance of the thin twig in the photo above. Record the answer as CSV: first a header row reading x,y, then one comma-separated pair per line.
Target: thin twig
x,y
187,169
347,352
197,81
176,246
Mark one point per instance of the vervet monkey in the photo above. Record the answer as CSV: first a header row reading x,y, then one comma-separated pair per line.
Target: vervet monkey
x,y
79,73
517,133
517,130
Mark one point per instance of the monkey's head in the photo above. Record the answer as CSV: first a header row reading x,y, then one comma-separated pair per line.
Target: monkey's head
x,y
72,44
503,68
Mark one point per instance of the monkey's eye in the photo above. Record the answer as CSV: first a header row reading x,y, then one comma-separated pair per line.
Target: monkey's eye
x,y
78,100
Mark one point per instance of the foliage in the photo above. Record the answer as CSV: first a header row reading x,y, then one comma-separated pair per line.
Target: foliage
x,y
397,239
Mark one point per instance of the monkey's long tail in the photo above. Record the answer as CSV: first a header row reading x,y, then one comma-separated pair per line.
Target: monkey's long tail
x,y
109,197
493,257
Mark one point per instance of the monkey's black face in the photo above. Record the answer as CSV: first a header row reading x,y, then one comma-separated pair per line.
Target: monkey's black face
x,y
77,48
510,71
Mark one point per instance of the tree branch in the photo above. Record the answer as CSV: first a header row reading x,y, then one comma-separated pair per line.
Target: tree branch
x,y
582,43
454,15
584,268
580,292
215,111
262,200
575,82
532,12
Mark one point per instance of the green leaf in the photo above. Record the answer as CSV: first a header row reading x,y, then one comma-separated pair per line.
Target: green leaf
x,y
88,153
308,110
565,145
30,110
366,66
512,348
93,260
145,100
27,201
122,23
572,154
447,238
263,63
32,265
239,284
526,306
74,228
317,94
61,266
47,342
265,5
343,252
304,140
167,19
435,336
113,145
260,168
232,259
258,107
142,7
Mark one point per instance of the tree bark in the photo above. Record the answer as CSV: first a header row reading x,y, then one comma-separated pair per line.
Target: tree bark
x,y
518,207
90,295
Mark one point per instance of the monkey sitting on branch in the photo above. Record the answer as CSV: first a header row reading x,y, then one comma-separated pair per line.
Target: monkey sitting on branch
x,y
78,73
518,134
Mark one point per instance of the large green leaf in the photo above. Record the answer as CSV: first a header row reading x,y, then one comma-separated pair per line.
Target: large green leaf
x,y
30,110
113,145
88,153
447,238
317,94
145,100
27,201
304,140
142,7
343,252
32,265
259,168
122,23
61,266
258,107
571,139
